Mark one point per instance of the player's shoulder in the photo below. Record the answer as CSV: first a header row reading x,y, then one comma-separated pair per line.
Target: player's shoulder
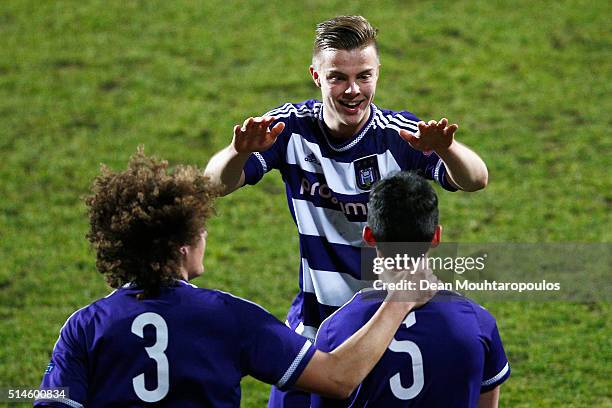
x,y
88,314
308,109
350,317
241,306
390,120
459,302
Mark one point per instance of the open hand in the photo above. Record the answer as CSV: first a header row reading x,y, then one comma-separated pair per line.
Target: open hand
x,y
432,136
254,135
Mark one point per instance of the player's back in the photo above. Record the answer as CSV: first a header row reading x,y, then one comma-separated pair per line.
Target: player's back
x,y
444,354
187,347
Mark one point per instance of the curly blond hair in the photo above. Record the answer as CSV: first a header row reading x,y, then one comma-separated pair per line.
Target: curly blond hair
x,y
140,217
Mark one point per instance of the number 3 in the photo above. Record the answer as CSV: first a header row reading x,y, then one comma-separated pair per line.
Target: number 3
x,y
156,352
410,347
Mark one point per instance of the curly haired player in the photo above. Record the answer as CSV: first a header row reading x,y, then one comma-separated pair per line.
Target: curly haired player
x,y
161,340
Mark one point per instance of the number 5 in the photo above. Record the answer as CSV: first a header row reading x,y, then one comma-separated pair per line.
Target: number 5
x,y
410,347
156,352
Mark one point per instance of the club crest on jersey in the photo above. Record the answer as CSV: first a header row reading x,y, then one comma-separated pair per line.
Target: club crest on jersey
x,y
366,172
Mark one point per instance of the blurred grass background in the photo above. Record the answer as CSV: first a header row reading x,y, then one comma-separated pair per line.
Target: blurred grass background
x,y
85,82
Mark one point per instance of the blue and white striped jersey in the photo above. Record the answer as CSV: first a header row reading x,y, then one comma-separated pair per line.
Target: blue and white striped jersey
x,y
327,187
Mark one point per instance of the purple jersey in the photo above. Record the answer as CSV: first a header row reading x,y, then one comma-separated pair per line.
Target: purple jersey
x,y
327,189
189,347
445,354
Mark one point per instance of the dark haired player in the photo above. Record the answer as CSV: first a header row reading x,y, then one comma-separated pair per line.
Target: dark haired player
x,y
157,340
329,154
447,353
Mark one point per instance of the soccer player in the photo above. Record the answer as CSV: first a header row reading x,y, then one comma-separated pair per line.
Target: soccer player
x,y
329,154
447,353
157,338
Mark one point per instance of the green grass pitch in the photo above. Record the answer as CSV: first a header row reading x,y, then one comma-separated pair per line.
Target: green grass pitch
x,y
85,82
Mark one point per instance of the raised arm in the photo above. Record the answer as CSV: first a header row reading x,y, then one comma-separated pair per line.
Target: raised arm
x,y
226,166
465,168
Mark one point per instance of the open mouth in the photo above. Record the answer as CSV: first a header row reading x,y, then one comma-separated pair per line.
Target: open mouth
x,y
351,106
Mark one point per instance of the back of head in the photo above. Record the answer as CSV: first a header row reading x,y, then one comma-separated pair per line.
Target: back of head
x,y
140,217
344,33
403,208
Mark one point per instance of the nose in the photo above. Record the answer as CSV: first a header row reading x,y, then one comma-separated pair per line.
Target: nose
x,y
352,89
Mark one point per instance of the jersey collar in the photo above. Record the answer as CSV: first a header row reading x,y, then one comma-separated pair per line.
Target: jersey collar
x,y
354,141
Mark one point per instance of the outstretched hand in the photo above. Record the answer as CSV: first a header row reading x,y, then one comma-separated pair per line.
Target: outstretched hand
x,y
254,135
431,136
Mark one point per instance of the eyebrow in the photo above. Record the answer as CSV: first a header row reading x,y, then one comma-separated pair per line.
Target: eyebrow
x,y
367,71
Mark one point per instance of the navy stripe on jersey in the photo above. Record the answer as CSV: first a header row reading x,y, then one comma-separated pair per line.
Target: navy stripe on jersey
x,y
324,194
323,255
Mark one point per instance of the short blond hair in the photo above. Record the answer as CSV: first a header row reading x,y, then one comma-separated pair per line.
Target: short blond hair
x,y
344,33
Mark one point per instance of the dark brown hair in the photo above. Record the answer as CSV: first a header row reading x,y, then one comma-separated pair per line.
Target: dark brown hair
x,y
344,33
140,217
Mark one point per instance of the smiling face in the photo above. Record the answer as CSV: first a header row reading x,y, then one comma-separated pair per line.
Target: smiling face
x,y
347,79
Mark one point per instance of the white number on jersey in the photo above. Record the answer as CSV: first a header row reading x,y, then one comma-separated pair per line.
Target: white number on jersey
x,y
156,352
410,347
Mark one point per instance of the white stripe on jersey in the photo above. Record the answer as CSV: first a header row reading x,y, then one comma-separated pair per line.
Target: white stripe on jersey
x,y
324,222
289,109
65,401
497,377
340,176
309,332
394,122
262,161
297,151
436,174
294,364
331,288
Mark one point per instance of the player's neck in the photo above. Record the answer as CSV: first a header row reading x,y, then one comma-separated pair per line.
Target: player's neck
x,y
339,133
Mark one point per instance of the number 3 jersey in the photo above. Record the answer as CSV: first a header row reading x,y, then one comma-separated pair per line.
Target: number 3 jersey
x,y
189,347
445,354
327,187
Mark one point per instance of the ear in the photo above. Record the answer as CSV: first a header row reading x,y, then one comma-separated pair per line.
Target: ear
x,y
368,236
437,237
184,250
315,76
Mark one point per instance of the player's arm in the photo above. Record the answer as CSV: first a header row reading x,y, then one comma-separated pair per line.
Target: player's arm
x,y
338,373
489,399
226,166
464,168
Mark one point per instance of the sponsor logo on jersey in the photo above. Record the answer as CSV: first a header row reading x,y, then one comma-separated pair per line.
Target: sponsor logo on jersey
x,y
322,190
49,368
311,158
366,172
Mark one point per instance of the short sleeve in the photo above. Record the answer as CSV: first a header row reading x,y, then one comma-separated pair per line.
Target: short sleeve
x,y
322,342
259,163
496,366
270,351
429,165
68,367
